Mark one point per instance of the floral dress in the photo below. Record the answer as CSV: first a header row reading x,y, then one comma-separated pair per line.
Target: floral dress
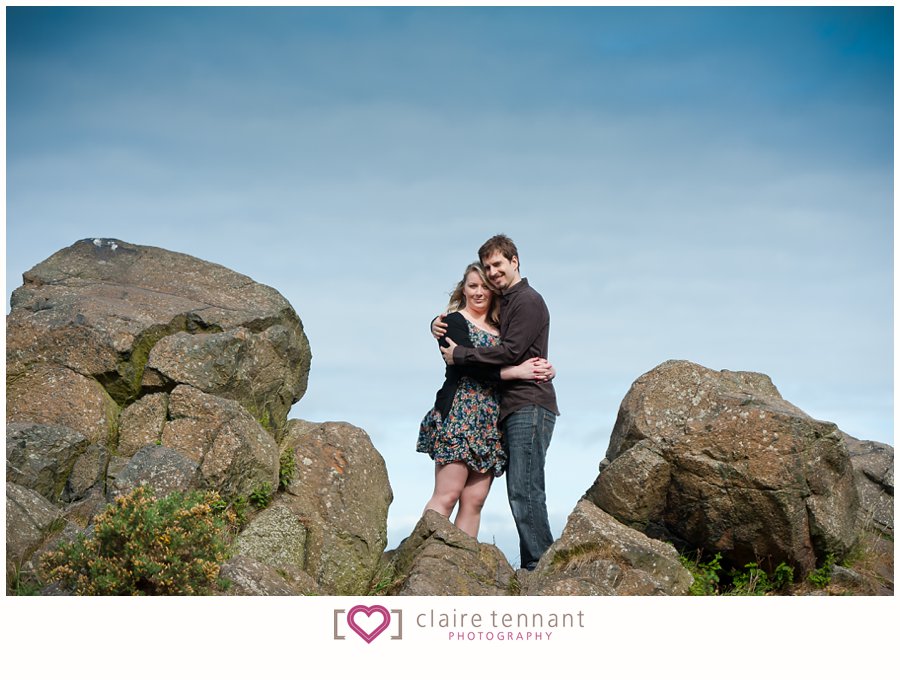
x,y
469,433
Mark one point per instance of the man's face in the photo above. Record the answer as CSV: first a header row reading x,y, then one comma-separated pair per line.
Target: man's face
x,y
502,272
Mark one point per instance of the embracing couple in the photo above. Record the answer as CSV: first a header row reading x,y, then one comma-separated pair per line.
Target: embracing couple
x,y
497,407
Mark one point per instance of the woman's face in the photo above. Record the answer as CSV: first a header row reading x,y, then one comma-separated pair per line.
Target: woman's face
x,y
478,295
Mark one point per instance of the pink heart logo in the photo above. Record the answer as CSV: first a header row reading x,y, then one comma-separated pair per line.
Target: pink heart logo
x,y
368,636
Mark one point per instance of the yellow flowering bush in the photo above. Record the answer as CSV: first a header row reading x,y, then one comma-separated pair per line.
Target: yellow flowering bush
x,y
143,545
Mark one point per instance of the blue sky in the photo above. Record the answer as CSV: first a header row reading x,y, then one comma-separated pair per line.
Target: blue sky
x,y
704,184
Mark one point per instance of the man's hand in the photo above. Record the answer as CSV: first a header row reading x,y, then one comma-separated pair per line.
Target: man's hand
x,y
438,327
447,352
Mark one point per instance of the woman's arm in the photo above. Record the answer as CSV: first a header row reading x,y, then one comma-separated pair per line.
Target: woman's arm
x,y
458,332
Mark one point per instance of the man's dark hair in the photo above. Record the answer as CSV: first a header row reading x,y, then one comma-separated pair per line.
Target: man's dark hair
x,y
501,243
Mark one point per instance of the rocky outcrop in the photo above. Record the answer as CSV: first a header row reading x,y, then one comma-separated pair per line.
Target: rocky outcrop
x,y
873,468
341,494
717,460
132,365
439,559
136,320
597,555
129,365
328,526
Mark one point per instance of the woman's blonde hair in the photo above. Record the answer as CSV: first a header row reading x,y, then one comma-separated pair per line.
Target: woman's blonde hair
x,y
458,298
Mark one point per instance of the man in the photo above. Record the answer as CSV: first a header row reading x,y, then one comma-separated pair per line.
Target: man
x,y
528,409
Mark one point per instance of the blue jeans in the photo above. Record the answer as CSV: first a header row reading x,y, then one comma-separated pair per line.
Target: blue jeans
x,y
527,435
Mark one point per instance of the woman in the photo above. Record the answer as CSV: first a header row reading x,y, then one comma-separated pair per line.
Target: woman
x,y
460,433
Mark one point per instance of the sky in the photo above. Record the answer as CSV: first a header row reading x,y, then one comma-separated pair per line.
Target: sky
x,y
708,184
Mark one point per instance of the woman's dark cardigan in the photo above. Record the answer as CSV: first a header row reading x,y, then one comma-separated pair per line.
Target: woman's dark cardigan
x,y
458,331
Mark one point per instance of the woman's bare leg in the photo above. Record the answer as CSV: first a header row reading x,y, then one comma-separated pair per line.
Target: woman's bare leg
x,y
449,481
471,501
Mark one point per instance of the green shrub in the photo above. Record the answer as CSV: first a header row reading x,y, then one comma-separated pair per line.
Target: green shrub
x,y
239,506
782,577
821,577
261,496
287,467
22,584
143,545
752,580
755,581
706,574
382,580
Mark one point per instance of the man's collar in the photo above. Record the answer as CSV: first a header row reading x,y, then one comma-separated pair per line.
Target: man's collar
x,y
518,285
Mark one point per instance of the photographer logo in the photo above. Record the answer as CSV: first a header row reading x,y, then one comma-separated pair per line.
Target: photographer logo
x,y
368,622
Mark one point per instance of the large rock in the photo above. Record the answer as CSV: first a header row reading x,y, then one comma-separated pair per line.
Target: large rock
x,y
597,555
439,559
276,537
236,455
54,395
256,369
717,460
341,493
42,457
873,467
101,306
163,470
